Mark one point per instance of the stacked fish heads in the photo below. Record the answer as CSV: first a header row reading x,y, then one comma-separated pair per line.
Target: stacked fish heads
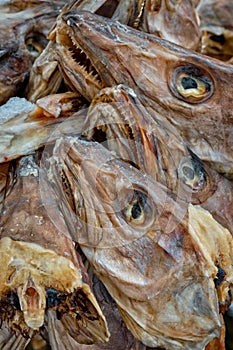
x,y
140,200
118,120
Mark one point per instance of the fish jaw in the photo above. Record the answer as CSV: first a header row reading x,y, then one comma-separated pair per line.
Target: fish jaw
x,y
69,56
152,67
167,272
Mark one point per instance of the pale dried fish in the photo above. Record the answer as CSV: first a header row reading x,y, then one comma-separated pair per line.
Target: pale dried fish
x,y
177,21
117,119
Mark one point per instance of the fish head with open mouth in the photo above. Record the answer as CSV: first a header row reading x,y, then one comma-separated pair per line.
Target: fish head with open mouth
x,y
43,283
191,92
159,257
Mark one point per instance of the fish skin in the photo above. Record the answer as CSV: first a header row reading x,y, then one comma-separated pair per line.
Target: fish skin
x,y
123,55
131,261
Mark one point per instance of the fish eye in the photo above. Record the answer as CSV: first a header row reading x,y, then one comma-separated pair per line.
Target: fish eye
x,y
191,84
138,210
193,174
35,44
218,38
33,47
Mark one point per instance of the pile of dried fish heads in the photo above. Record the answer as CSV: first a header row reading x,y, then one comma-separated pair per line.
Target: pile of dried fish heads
x,y
116,175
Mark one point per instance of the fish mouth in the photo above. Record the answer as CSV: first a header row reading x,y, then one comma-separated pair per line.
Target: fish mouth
x,y
77,63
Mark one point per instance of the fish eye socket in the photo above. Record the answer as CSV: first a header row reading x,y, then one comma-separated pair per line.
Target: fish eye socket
x,y
138,210
191,84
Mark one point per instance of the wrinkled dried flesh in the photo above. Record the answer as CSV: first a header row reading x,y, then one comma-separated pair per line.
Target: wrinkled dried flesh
x,y
41,269
181,254
121,338
10,6
45,77
60,105
4,180
218,343
13,341
177,91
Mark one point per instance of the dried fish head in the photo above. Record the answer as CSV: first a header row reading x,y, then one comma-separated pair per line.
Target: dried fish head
x,y
25,127
191,92
41,270
158,257
22,39
217,28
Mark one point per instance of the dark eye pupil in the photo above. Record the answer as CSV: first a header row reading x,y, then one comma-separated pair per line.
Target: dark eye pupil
x,y
189,83
31,48
188,172
136,211
218,38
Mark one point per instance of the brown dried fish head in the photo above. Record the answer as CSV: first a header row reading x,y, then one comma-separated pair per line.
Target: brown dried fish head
x,y
77,69
176,21
118,120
